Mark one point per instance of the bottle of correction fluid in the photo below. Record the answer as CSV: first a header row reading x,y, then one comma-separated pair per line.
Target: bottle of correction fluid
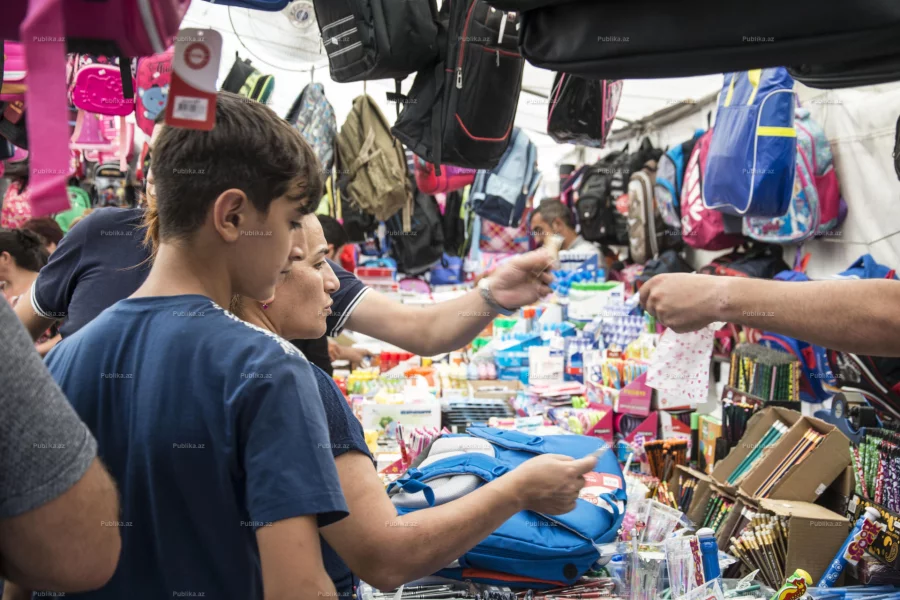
x,y
709,550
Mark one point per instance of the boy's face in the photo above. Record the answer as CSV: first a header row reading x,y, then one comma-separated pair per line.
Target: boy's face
x,y
270,244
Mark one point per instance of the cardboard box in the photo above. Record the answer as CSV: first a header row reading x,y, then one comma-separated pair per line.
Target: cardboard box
x,y
728,529
409,415
807,480
757,426
494,389
710,431
815,534
702,492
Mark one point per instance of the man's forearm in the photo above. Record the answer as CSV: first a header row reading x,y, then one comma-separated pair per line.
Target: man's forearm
x,y
423,542
857,316
450,325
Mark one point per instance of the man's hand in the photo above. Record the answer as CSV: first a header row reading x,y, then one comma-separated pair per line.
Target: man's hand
x,y
354,355
685,302
522,280
550,483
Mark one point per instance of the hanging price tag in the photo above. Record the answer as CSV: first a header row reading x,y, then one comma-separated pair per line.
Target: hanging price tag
x,y
192,91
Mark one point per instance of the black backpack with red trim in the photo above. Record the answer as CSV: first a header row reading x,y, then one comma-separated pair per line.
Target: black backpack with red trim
x,y
461,111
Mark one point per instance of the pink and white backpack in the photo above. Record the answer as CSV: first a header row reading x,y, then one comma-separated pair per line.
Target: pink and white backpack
x,y
701,227
153,76
47,29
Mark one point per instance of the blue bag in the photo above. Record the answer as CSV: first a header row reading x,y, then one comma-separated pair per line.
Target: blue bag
x,y
750,169
448,272
556,549
866,267
501,194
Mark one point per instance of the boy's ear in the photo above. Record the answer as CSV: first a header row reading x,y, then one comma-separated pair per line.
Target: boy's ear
x,y
230,214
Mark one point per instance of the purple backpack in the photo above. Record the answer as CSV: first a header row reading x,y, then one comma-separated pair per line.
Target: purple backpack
x,y
701,227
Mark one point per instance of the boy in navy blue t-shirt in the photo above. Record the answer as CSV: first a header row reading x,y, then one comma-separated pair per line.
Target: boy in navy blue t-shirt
x,y
212,428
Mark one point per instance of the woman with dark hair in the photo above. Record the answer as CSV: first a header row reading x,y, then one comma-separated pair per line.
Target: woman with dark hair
x,y
48,229
22,255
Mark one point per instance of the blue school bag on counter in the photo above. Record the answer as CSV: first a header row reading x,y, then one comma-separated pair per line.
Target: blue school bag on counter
x,y
556,549
752,156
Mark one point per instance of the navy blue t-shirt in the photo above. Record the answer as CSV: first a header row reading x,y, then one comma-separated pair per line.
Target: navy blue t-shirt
x,y
211,428
346,434
103,260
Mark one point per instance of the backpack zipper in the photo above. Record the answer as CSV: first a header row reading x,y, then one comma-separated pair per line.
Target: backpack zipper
x,y
462,46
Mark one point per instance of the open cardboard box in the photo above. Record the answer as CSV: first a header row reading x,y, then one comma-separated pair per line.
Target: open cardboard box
x,y
815,534
757,427
807,480
702,491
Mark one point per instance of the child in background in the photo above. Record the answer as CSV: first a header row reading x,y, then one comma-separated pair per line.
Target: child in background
x,y
212,428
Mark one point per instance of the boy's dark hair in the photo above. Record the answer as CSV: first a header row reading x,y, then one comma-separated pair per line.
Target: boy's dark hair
x,y
250,148
18,172
45,227
26,248
551,209
334,231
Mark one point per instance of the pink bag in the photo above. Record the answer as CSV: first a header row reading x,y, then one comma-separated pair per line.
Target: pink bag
x,y
132,27
512,240
451,178
153,76
701,227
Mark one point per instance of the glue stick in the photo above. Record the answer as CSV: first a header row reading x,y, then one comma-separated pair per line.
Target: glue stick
x,y
709,550
861,537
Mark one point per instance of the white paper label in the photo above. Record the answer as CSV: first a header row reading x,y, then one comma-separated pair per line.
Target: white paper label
x,y
820,489
191,109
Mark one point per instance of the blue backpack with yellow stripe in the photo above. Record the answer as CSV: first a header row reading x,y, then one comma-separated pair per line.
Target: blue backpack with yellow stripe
x,y
547,551
751,166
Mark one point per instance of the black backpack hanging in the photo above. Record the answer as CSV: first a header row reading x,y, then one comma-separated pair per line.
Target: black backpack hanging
x,y
377,39
660,38
418,250
460,110
595,208
453,225
581,111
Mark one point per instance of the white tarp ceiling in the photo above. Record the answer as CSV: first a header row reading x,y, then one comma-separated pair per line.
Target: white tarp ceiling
x,y
288,49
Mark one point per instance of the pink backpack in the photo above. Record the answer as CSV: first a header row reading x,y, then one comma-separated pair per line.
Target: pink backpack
x,y
701,227
153,76
129,28
451,178
13,86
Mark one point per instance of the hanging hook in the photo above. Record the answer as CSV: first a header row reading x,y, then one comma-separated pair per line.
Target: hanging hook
x,y
365,93
312,74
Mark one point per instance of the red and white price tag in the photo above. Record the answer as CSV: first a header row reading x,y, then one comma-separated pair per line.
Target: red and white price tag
x,y
195,68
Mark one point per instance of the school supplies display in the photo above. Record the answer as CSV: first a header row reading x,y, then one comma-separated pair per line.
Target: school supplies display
x,y
761,543
664,455
771,437
811,439
735,416
876,468
717,509
770,375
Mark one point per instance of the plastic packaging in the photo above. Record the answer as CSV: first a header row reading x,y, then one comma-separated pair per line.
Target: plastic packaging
x,y
661,521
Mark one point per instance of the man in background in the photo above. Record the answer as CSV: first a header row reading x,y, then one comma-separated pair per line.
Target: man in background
x,y
552,217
